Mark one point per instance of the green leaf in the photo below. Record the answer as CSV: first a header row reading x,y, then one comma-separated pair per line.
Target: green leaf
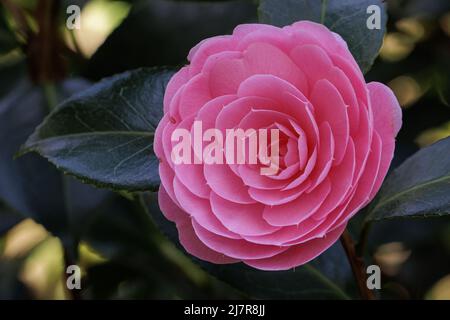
x,y
104,135
420,187
326,277
345,17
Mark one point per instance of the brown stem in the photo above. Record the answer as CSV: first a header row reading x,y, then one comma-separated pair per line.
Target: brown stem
x,y
44,48
357,265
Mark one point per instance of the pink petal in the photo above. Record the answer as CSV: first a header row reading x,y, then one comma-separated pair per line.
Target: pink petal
x,y
177,80
387,122
286,173
277,197
363,141
211,110
200,53
264,58
186,234
269,86
193,245
167,175
298,210
325,155
251,176
341,178
306,173
297,144
338,78
305,124
195,94
292,154
241,219
167,144
189,172
226,74
354,74
157,143
247,28
313,61
232,113
329,107
308,32
260,119
170,210
363,193
386,110
324,226
285,234
297,255
264,34
224,182
200,210
208,115
235,248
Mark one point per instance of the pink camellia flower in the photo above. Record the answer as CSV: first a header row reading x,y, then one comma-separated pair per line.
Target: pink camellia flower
x,y
337,138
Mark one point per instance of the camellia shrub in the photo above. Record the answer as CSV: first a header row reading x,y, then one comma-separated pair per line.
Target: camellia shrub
x,y
291,85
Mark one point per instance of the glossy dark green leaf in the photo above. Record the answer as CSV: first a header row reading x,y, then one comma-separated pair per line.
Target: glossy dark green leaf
x,y
420,187
345,17
326,277
104,135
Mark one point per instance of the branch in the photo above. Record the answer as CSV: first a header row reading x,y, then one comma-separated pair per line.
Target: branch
x,y
357,265
45,48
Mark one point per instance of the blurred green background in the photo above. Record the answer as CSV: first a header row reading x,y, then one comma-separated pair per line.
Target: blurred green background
x,y
121,253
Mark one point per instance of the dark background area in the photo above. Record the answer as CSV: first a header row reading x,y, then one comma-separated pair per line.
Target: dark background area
x,y
44,215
